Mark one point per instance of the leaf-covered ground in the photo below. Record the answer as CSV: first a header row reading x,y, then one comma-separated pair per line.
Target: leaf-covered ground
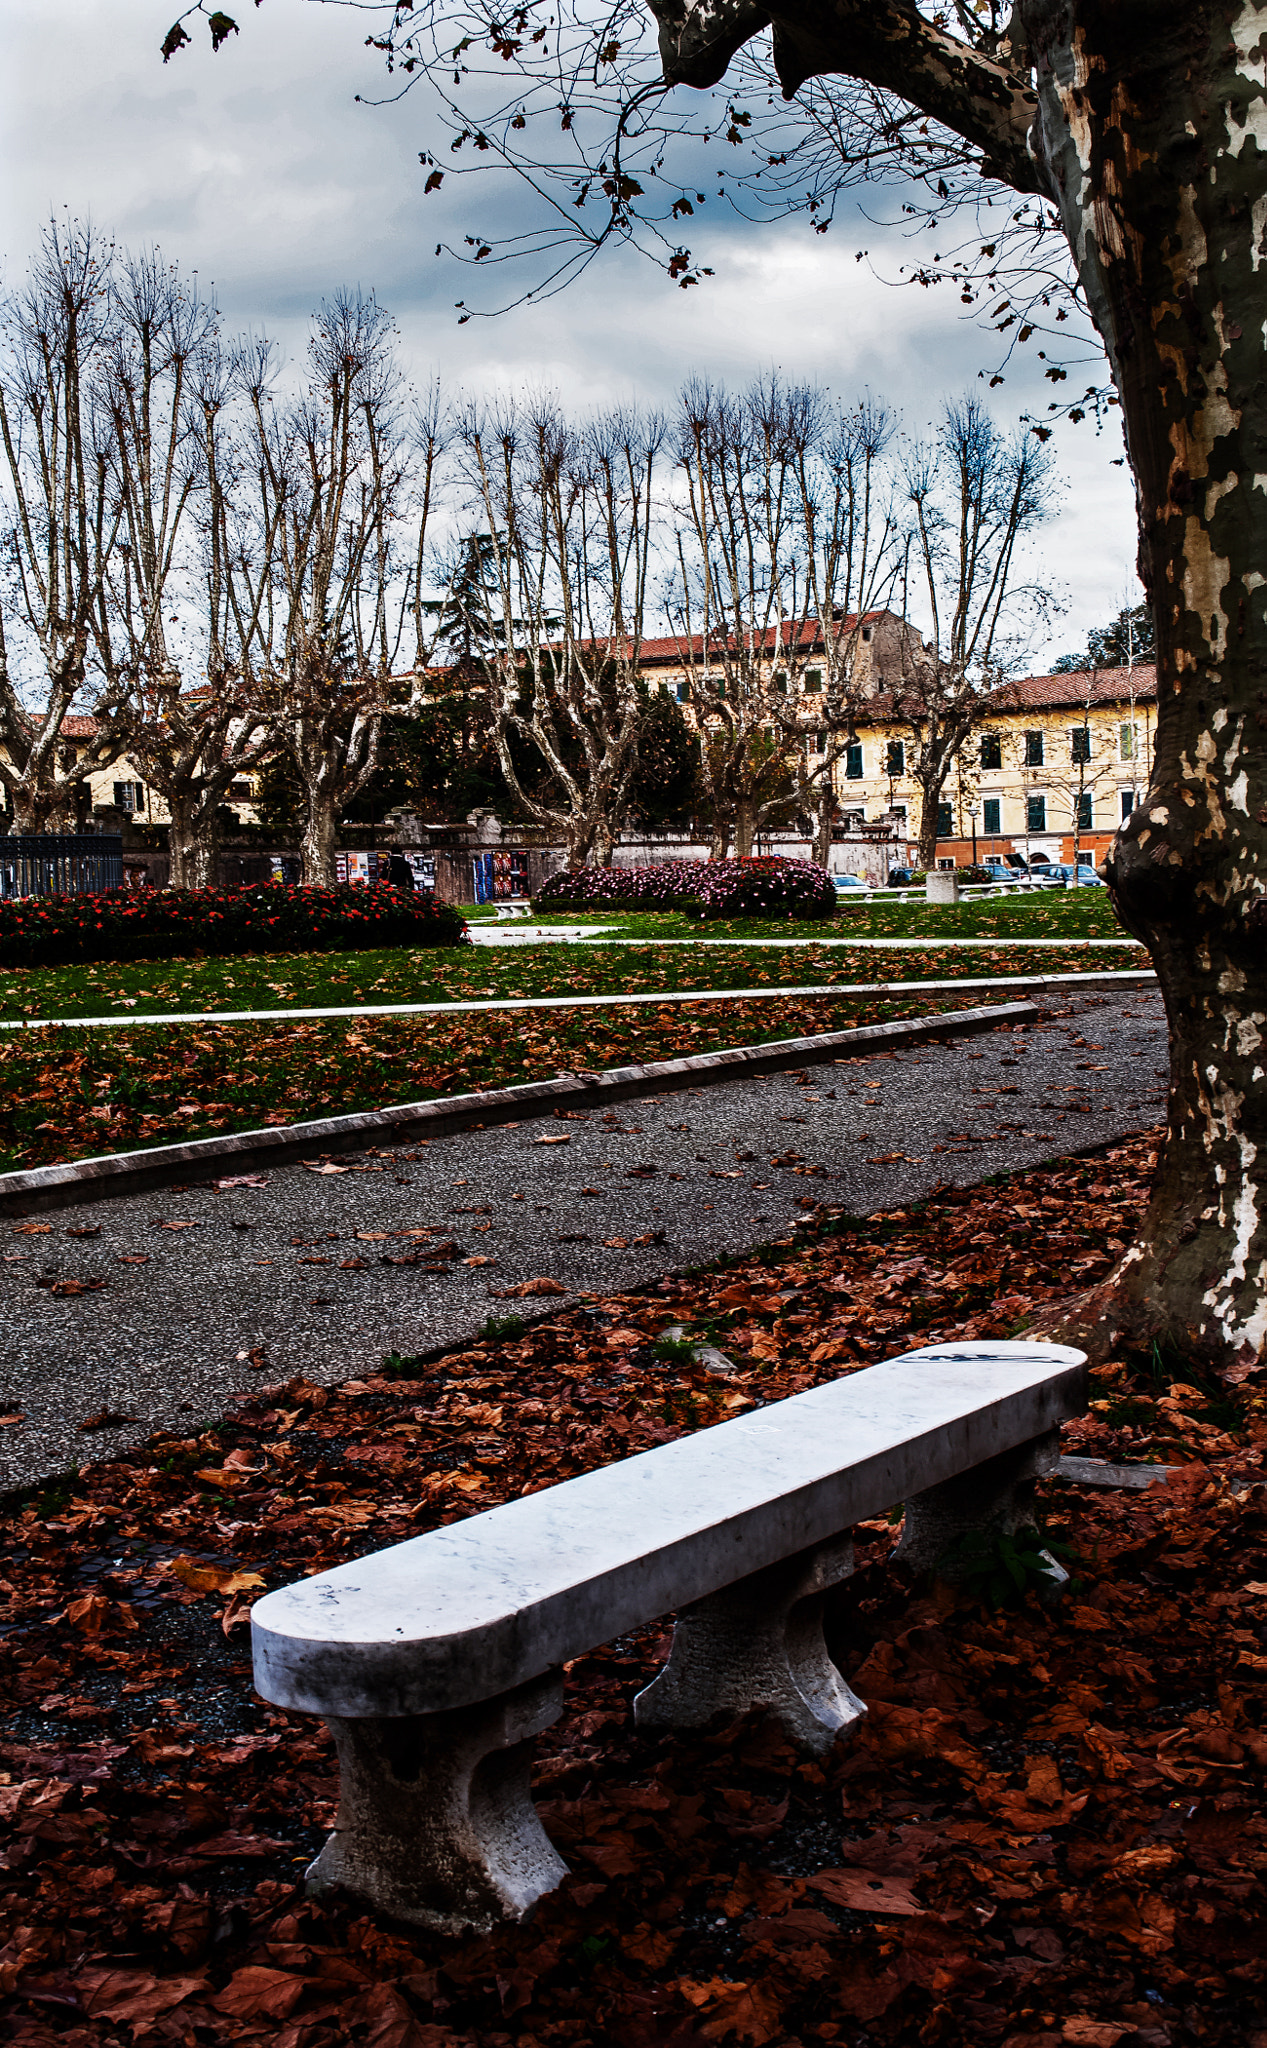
x,y
459,974
71,1094
1049,1830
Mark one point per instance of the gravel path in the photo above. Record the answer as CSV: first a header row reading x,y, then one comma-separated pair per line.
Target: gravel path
x,y
197,1278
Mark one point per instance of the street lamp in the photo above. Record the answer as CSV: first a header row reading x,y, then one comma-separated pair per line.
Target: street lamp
x,y
972,813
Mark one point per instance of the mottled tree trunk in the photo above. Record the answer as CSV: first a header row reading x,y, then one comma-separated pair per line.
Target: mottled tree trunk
x,y
317,842
928,828
745,830
191,843
1153,125
824,813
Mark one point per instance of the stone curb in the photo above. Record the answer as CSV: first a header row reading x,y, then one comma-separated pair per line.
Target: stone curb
x,y
128,1173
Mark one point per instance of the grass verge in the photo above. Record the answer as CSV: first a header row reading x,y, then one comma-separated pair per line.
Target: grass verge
x,y
68,1094
392,975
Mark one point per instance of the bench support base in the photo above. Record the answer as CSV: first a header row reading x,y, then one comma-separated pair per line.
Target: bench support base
x,y
759,1645
993,1499
436,1823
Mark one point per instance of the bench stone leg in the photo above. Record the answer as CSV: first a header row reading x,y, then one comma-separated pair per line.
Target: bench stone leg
x,y
993,1499
759,1644
436,1823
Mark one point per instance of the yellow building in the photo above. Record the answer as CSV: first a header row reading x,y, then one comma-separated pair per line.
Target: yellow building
x,y
1058,757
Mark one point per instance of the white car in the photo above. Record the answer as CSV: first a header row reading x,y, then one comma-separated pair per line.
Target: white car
x,y
841,882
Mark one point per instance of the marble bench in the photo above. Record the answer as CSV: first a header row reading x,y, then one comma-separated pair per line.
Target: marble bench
x,y
435,1662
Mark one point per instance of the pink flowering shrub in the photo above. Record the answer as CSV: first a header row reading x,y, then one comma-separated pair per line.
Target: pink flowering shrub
x,y
771,887
271,917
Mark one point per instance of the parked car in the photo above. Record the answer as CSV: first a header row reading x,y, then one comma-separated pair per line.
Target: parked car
x,y
901,878
1083,876
842,882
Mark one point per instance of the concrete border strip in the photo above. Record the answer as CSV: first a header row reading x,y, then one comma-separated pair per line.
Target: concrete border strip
x,y
1109,977
128,1173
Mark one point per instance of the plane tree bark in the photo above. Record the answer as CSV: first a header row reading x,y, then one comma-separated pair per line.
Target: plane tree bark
x,y
1146,127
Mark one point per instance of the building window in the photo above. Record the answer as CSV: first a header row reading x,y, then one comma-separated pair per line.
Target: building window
x,y
813,681
990,816
945,821
240,792
895,758
129,796
1033,750
991,750
820,743
866,632
1082,811
853,761
780,682
1035,814
684,693
1128,803
1128,741
1080,743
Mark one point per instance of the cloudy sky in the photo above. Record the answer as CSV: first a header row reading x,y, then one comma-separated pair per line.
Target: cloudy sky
x,y
259,169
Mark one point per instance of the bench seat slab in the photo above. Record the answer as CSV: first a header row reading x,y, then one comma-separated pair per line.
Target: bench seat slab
x,y
758,1646
469,1611
436,1823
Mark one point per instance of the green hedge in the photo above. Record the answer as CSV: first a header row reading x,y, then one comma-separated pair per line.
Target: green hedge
x,y
272,917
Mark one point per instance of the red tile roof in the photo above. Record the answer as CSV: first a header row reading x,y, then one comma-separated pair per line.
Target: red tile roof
x,y
805,636
1094,686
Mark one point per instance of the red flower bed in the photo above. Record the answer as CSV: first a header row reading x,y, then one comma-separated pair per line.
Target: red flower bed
x,y
268,918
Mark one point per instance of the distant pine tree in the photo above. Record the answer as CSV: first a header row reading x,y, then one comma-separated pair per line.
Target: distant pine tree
x,y
1127,639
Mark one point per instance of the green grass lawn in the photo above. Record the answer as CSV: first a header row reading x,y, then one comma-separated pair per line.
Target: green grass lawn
x,y
464,973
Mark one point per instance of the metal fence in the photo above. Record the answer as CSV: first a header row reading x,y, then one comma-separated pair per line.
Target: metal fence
x,y
60,864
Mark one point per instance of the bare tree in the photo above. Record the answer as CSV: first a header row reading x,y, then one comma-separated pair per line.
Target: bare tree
x,y
330,579
60,522
849,561
571,512
179,707
785,542
974,494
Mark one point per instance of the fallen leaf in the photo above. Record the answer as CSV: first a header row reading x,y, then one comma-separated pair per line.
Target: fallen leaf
x,y
93,1613
31,1229
133,1997
256,1993
210,1578
241,1180
106,1418
67,1289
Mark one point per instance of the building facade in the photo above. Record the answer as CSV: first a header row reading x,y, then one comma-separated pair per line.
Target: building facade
x,y
1057,760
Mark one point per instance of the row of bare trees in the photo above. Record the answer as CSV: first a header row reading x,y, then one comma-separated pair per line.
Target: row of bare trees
x,y
225,566
214,569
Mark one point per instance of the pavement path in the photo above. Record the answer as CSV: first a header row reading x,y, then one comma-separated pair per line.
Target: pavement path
x,y
198,1277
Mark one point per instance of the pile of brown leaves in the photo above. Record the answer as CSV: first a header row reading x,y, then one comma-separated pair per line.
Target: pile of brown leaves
x,y
1049,1828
